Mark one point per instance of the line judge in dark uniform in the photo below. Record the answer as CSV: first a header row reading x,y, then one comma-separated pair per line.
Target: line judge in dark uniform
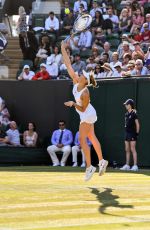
x,y
132,128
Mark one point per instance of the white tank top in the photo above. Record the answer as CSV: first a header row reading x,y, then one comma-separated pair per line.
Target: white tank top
x,y
77,94
30,139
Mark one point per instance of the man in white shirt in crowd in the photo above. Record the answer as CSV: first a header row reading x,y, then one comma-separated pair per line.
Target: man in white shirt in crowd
x,y
52,23
52,68
13,134
77,5
114,18
26,74
95,7
85,40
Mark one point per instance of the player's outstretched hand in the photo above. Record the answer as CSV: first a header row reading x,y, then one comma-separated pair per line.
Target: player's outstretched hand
x,y
69,103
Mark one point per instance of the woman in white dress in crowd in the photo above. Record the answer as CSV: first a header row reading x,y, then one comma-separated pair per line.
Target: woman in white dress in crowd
x,y
22,24
30,136
87,115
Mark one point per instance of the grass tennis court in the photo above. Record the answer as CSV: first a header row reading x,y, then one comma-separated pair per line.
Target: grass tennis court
x,y
44,198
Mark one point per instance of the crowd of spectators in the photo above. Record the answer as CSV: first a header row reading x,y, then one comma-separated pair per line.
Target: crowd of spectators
x,y
117,44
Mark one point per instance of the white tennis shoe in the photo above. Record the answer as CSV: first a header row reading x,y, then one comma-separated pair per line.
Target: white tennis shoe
x,y
102,167
134,168
125,168
89,173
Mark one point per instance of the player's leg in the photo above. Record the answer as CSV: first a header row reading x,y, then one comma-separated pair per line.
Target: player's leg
x,y
83,133
96,144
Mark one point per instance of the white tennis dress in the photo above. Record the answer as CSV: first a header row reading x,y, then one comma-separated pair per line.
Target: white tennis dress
x,y
89,115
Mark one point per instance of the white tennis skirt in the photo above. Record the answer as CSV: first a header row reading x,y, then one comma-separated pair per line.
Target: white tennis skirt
x,y
89,115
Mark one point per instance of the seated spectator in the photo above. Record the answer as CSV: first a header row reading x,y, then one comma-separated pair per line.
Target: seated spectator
x,y
56,56
147,21
115,61
30,136
107,71
118,70
65,10
147,55
130,68
139,70
4,114
104,57
95,54
77,148
136,5
125,21
78,65
52,68
145,36
114,18
125,50
95,8
26,74
137,20
28,44
77,4
3,136
85,40
98,21
126,58
68,23
43,52
13,134
82,10
135,56
147,65
99,38
136,34
138,50
91,65
42,74
107,50
52,23
61,141
98,70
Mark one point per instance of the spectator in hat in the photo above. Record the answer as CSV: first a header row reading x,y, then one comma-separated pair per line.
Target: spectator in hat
x,y
42,74
52,68
85,40
26,74
130,69
77,4
118,70
78,65
95,8
107,71
147,21
52,23
132,129
139,70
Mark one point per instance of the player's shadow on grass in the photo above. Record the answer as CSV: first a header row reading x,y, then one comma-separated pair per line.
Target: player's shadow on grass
x,y
107,199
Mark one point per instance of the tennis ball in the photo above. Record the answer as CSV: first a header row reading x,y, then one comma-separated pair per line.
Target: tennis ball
x,y
67,11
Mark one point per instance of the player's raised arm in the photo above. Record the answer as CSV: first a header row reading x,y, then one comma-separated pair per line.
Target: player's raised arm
x,y
67,62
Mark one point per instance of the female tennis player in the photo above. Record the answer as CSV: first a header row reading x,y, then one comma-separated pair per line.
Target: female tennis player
x,y
87,115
